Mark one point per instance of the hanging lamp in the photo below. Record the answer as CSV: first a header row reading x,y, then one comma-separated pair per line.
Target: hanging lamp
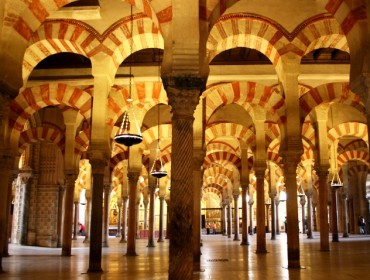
x,y
125,135
335,181
157,169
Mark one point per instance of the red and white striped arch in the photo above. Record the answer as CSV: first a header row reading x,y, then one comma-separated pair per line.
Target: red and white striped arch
x,y
333,92
308,141
151,135
222,146
48,134
215,180
215,170
32,99
233,130
348,13
322,31
358,169
272,132
82,141
355,145
120,157
221,156
246,94
145,94
243,30
348,129
213,188
353,155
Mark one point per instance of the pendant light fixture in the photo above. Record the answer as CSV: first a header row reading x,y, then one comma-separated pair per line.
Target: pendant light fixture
x,y
335,181
125,135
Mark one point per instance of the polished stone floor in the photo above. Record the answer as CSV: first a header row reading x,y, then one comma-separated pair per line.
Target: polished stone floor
x,y
222,258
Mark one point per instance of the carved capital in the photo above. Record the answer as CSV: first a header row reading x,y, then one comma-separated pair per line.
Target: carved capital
x,y
98,166
133,177
322,172
198,158
183,93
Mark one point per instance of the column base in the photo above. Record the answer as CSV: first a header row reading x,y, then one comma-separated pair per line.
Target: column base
x,y
66,253
150,246
236,239
244,243
345,235
131,254
123,241
118,235
261,251
95,269
160,240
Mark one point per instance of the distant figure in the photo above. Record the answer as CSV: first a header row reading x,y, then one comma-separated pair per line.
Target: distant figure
x,y
82,229
208,227
214,227
362,224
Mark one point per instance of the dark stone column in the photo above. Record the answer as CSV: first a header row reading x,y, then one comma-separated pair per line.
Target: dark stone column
x,y
261,230
8,202
183,93
302,201
314,219
273,215
322,172
60,214
161,217
119,205
96,222
131,233
223,218
291,160
151,188
244,216
250,203
229,218
87,216
309,214
124,220
107,190
277,217
334,215
70,179
345,215
236,217
75,219
168,218
267,217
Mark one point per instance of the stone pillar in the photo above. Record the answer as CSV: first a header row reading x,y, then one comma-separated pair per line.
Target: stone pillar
x,y
229,218
75,219
8,202
309,214
151,188
223,218
314,218
161,218
334,215
131,234
302,201
124,220
198,158
105,234
96,221
277,217
261,230
244,216
119,207
6,172
70,179
345,215
291,160
267,217
236,217
322,173
87,216
273,215
168,218
60,214
183,94
146,204
250,203
137,211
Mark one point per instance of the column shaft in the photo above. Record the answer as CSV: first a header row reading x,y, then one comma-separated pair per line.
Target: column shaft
x,y
68,214
151,215
161,217
236,218
323,201
334,215
124,220
244,216
131,233
261,230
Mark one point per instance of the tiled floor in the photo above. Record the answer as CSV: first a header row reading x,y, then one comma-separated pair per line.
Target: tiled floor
x,y
222,258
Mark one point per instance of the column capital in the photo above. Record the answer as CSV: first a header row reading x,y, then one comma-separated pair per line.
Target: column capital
x,y
183,93
198,158
98,165
133,176
322,171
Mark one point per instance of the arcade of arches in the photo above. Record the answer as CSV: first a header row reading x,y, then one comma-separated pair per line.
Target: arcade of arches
x,y
251,100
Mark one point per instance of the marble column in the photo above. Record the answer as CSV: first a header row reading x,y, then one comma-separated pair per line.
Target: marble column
x,y
96,221
168,203
322,173
244,216
151,189
345,215
124,220
75,219
106,196
250,203
291,160
183,93
268,204
236,217
302,201
261,230
161,218
334,215
131,233
60,214
229,218
146,204
314,218
70,179
87,216
277,217
224,219
309,214
273,215
8,201
6,173
119,206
